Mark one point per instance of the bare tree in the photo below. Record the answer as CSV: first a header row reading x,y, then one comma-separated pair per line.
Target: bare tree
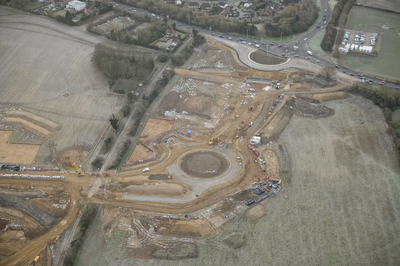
x,y
327,72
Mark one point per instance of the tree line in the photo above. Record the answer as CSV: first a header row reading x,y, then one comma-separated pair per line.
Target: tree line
x,y
388,100
293,19
116,64
338,17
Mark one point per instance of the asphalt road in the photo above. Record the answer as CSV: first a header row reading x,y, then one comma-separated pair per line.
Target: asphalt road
x,y
279,48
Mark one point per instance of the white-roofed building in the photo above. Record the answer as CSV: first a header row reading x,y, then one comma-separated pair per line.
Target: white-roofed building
x,y
77,5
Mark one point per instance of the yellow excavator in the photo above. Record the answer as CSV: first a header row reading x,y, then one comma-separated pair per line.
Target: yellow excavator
x,y
213,140
78,170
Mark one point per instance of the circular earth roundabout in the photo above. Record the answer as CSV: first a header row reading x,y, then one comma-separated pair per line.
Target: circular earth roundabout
x,y
265,59
204,164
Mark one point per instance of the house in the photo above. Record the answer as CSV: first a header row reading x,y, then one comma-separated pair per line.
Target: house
x,y
268,11
290,2
56,3
194,5
222,5
228,12
205,7
77,5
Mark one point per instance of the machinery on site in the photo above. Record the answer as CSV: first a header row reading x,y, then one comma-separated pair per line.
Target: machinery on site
x,y
78,169
255,152
214,140
239,160
171,175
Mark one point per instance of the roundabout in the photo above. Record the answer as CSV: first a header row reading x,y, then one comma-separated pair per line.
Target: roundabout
x,y
203,164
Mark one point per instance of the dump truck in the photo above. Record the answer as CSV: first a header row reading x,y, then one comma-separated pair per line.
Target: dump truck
x,y
239,160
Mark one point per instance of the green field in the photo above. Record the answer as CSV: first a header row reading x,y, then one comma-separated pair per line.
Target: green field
x,y
387,64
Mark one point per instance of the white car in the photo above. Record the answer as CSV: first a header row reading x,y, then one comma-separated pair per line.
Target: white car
x,y
310,53
305,39
153,15
257,45
295,48
249,43
229,38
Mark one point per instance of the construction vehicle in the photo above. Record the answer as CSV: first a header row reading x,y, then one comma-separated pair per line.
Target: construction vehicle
x,y
171,175
35,260
251,108
266,189
213,140
78,170
255,152
239,160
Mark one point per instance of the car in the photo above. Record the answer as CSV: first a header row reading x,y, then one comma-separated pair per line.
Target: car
x,y
263,43
360,75
180,25
255,42
221,36
297,55
244,42
279,45
271,43
249,43
305,39
322,27
310,53
325,10
257,45
130,9
308,58
344,71
213,34
336,66
153,15
283,55
317,27
158,17
351,74
187,27
229,38
325,22
382,82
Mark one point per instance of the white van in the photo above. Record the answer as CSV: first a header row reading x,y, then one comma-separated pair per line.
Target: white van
x,y
309,53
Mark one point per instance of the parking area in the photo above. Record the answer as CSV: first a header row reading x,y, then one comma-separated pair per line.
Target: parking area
x,y
363,42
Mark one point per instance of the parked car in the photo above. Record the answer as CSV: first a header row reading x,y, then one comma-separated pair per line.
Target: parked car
x,y
351,74
257,45
336,66
382,82
308,58
360,75
305,39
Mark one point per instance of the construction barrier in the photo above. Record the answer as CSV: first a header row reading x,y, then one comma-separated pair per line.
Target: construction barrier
x,y
55,177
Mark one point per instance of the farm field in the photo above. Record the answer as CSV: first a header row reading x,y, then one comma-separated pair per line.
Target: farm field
x,y
391,5
16,153
46,70
386,64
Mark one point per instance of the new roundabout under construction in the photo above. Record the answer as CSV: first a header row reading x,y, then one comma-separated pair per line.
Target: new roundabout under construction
x,y
208,152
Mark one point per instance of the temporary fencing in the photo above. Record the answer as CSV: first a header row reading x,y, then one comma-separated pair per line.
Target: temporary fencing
x,y
55,177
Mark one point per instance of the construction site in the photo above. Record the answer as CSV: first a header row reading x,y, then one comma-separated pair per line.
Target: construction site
x,y
229,158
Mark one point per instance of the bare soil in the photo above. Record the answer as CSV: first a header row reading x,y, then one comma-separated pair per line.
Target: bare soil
x,y
162,189
256,212
204,164
35,129
16,153
139,152
265,59
41,121
323,97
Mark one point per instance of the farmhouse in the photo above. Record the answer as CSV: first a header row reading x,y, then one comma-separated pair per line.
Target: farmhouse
x,y
77,5
205,7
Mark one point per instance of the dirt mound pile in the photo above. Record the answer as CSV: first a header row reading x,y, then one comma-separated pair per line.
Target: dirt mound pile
x,y
198,227
235,241
256,212
35,129
50,207
197,104
177,252
323,97
277,124
312,110
13,235
163,189
41,121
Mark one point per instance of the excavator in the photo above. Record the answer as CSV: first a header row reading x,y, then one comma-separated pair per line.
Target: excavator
x,y
214,140
78,170
171,175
